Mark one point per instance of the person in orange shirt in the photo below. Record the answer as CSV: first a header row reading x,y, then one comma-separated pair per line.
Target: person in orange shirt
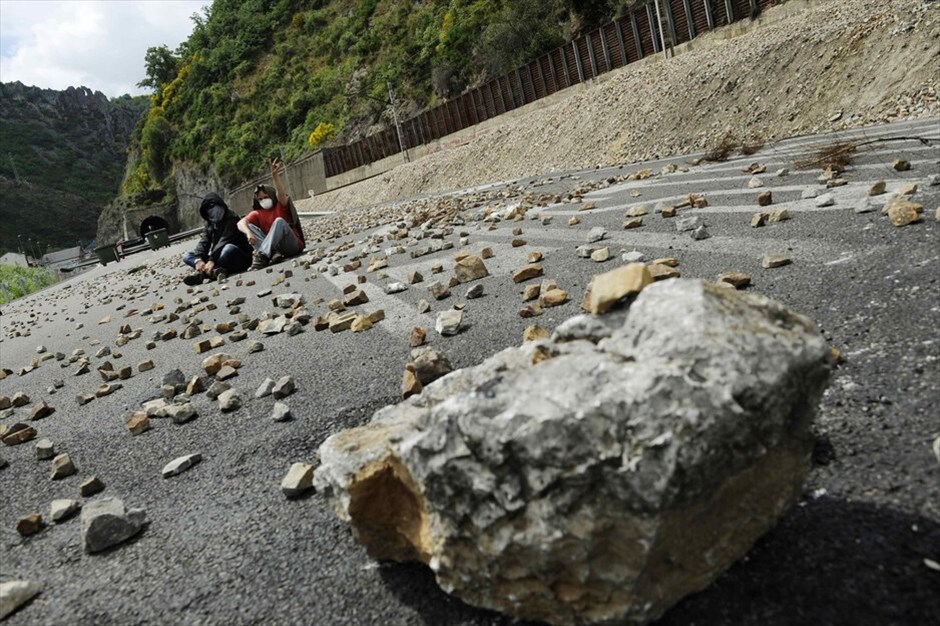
x,y
272,227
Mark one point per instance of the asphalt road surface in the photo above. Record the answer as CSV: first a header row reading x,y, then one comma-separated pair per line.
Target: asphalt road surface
x,y
224,546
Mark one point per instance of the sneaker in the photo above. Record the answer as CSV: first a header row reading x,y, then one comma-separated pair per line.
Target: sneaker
x,y
259,261
220,275
194,279
277,257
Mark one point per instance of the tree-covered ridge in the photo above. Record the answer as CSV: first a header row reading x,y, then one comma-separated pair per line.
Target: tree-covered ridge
x,y
73,140
259,76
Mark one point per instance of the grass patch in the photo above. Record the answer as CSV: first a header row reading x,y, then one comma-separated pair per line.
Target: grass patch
x,y
17,281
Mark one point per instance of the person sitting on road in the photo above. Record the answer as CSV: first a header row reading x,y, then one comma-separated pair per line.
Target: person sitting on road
x,y
223,249
273,227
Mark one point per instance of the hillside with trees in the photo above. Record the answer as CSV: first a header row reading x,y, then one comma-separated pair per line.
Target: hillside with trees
x,y
62,157
263,77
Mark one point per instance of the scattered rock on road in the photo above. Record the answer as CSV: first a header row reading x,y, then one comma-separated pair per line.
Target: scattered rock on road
x,y
90,487
449,322
106,523
770,261
29,524
45,450
62,466
16,593
229,400
180,464
298,480
62,509
284,387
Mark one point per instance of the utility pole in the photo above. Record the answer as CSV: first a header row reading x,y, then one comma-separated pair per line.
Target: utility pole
x,y
391,100
662,38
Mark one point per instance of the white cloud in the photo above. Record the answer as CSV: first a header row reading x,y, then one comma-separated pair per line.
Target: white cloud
x,y
95,44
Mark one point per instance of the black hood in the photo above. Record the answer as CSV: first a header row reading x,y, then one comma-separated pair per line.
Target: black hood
x,y
208,202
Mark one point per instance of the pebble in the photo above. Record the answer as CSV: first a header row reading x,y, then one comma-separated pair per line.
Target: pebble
x,y
265,388
601,254
255,346
475,291
904,212
45,450
106,523
596,234
410,384
609,288
770,261
138,423
416,337
284,387
754,183
827,199
634,256
877,189
229,400
16,593
700,233
281,412
684,224
864,205
738,280
17,434
29,524
62,466
298,480
808,194
180,413
448,322
526,272
180,464
534,332
216,389
62,509
90,487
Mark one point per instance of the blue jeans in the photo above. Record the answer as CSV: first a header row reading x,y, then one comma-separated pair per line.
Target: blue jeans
x,y
281,238
232,259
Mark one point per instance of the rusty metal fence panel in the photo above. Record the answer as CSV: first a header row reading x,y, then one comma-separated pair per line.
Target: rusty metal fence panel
x,y
619,43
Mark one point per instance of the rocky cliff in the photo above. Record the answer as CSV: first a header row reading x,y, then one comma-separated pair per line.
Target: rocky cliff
x,y
71,142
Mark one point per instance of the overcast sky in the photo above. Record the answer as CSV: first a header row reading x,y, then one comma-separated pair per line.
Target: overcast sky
x,y
95,44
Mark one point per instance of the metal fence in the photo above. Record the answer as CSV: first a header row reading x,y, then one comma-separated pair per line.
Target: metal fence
x,y
632,37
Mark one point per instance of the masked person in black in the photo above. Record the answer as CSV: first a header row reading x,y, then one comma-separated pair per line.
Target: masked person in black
x,y
222,249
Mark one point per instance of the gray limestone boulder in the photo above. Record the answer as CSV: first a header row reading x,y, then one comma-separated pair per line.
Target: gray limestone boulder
x,y
603,474
106,523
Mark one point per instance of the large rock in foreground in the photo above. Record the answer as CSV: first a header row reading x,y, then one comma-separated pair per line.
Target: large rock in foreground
x,y
601,475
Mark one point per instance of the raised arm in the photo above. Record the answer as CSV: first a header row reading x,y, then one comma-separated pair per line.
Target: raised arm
x,y
278,185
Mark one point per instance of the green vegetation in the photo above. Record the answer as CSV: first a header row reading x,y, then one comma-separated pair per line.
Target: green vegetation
x,y
257,76
19,281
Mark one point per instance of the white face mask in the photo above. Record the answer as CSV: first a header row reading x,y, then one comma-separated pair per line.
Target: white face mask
x,y
266,203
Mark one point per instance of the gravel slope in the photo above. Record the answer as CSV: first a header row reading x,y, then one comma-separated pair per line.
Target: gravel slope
x,y
862,61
